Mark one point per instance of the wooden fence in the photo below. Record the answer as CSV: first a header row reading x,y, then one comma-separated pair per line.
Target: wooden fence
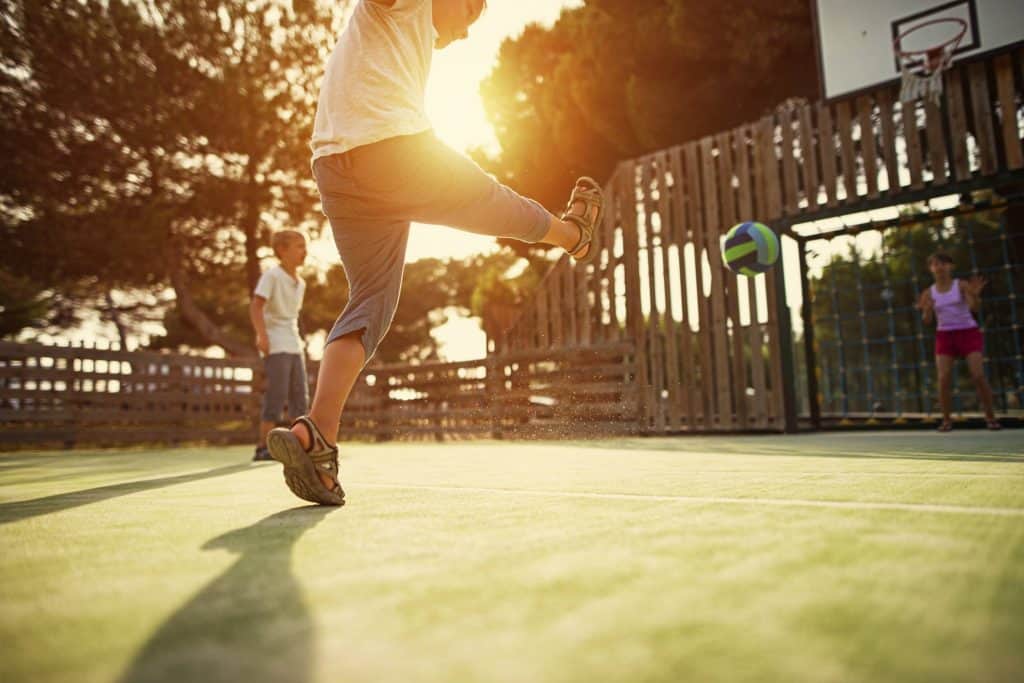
x,y
714,349
656,336
69,396
76,395
568,392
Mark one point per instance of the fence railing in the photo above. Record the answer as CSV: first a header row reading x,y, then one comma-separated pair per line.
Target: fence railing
x,y
569,392
79,395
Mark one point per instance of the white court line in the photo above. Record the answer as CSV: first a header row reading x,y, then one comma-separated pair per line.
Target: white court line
x,y
782,502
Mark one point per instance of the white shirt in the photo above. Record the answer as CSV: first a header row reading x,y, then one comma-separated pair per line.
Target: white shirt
x,y
376,78
281,313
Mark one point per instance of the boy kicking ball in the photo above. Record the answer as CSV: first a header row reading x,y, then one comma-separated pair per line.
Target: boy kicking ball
x,y
379,167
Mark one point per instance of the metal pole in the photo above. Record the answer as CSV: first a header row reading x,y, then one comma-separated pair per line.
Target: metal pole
x,y
864,341
810,353
888,294
844,388
1015,324
785,332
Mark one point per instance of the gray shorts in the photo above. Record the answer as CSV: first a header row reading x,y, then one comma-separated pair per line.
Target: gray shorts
x,y
371,194
286,383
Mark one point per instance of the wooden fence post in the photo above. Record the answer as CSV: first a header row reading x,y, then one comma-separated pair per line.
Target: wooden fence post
x,y
784,330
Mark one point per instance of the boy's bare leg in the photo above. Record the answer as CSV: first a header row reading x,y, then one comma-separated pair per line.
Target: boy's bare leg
x,y
265,428
342,362
565,234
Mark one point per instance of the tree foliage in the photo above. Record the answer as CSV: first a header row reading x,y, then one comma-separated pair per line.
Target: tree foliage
x,y
150,144
617,78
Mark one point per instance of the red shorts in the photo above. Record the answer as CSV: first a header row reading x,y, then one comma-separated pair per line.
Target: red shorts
x,y
959,343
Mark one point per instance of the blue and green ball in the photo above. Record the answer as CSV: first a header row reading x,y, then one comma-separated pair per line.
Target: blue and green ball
x,y
750,248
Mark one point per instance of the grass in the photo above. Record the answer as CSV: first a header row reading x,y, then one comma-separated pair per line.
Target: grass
x,y
833,557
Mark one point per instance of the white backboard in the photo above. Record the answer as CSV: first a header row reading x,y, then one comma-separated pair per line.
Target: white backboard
x,y
855,37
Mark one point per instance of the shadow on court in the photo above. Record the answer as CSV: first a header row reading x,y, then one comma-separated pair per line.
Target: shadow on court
x,y
249,624
23,509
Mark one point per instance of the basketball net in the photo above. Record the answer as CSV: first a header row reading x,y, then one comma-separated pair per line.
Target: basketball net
x,y
921,71
926,83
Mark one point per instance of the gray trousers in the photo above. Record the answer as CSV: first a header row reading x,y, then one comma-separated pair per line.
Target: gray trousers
x,y
286,382
371,194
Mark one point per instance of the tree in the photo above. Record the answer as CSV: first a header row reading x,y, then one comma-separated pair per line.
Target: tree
x,y
22,304
431,287
151,144
614,79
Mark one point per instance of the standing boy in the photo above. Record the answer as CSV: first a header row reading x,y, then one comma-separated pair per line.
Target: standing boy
x,y
274,312
379,167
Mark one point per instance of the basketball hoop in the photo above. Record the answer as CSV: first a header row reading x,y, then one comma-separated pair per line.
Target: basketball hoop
x,y
921,70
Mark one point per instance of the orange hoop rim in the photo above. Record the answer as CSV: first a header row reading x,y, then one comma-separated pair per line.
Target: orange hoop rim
x,y
955,40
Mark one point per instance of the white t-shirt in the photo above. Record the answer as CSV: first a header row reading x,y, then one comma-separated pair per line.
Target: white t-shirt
x,y
376,77
281,312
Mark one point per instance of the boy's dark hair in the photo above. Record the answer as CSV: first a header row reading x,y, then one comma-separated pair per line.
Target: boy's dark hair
x,y
941,257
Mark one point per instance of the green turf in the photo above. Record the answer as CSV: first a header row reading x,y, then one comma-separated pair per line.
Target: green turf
x,y
834,557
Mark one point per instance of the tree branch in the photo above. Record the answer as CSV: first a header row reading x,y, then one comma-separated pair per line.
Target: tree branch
x,y
191,312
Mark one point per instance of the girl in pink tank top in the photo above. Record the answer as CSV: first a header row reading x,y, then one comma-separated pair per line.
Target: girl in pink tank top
x,y
950,303
952,312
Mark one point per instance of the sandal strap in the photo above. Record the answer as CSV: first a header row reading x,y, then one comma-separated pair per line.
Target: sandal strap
x,y
585,234
590,199
588,192
324,456
319,450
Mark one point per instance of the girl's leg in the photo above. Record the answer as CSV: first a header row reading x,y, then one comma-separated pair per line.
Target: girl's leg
x,y
944,364
976,364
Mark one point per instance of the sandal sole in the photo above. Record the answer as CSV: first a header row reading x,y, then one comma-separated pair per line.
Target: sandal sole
x,y
299,471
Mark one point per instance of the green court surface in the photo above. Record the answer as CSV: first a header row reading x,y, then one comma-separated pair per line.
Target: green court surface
x,y
830,557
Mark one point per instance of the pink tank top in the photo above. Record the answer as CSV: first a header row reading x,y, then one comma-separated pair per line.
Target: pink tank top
x,y
951,309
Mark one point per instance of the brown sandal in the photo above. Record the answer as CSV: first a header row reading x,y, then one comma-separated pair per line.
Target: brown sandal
x,y
301,466
587,192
